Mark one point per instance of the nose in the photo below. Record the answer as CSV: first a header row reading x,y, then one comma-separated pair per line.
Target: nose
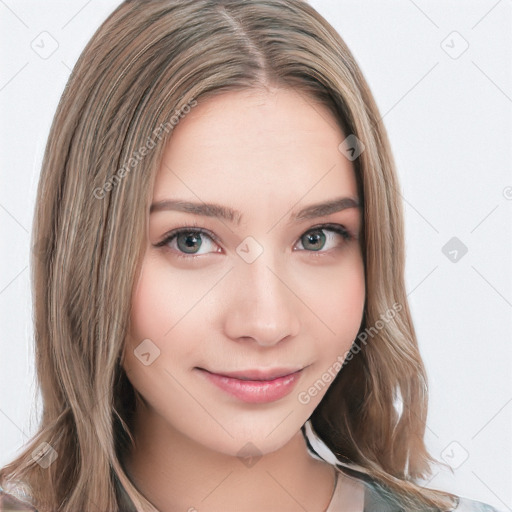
x,y
263,306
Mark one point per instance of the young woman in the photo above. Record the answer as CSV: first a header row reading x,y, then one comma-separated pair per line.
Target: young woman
x,y
218,288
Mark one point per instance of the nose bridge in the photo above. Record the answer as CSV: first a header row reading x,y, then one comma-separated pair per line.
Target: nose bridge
x,y
263,306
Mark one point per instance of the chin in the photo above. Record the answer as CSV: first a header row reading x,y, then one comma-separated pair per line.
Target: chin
x,y
252,438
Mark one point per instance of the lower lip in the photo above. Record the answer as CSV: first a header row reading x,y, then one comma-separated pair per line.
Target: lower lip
x,y
255,391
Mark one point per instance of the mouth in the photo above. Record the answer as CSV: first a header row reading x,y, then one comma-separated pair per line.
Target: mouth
x,y
257,374
255,385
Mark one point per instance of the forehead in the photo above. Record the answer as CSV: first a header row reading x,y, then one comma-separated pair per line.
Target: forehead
x,y
256,149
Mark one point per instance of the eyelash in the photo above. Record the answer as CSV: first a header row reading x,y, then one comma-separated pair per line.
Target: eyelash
x,y
195,229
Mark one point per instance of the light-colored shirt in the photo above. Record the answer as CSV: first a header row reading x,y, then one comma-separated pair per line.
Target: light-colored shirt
x,y
365,494
368,496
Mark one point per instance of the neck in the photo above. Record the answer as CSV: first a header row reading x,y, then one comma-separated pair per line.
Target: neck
x,y
193,477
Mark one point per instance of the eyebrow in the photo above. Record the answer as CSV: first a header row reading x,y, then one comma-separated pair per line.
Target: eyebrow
x,y
234,216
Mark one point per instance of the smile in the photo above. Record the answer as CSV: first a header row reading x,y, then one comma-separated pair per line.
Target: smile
x,y
255,386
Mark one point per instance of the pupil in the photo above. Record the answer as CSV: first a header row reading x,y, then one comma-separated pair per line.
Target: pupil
x,y
315,238
191,239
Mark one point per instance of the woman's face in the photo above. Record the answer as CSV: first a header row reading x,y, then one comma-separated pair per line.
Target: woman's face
x,y
264,292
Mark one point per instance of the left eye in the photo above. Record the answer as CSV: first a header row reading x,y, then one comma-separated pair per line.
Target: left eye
x,y
187,241
315,236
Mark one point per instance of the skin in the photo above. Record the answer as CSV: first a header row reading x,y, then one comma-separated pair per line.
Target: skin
x,y
266,153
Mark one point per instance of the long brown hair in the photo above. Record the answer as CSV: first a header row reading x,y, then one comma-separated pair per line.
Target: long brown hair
x,y
143,68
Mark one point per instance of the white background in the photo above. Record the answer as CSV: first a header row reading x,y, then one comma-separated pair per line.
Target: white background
x,y
448,115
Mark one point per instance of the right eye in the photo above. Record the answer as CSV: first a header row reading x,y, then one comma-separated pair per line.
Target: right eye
x,y
185,242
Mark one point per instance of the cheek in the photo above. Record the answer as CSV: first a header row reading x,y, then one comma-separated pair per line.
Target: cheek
x,y
339,303
150,316
157,304
160,341
162,302
340,308
169,308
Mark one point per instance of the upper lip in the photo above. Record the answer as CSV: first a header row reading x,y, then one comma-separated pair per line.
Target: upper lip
x,y
258,374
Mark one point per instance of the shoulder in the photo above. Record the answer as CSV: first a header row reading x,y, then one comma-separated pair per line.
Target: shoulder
x,y
469,505
9,503
15,499
378,499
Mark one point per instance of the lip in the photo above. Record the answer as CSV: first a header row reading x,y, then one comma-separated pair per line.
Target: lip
x,y
258,374
255,385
